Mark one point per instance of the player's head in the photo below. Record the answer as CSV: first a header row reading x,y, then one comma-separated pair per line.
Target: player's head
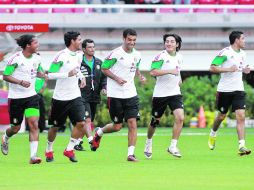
x,y
73,39
88,47
129,38
28,42
237,38
172,42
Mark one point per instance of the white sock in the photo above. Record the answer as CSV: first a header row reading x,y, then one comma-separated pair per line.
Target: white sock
x,y
71,144
90,139
149,141
131,150
6,138
100,132
33,148
49,147
173,143
241,143
213,133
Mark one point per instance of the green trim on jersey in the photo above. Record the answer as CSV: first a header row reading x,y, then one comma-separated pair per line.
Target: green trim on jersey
x,y
32,112
39,83
55,67
40,69
157,64
218,60
138,63
9,69
108,63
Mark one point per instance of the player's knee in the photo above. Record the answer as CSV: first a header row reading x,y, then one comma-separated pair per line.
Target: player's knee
x,y
118,127
154,122
179,118
15,129
221,117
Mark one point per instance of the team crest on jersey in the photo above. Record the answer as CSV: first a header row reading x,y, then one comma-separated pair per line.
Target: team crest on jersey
x,y
133,68
232,57
121,58
98,67
68,62
55,122
167,61
222,109
86,113
156,113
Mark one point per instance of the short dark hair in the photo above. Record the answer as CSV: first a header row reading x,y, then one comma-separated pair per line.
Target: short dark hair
x,y
25,40
129,31
68,36
234,35
177,38
84,43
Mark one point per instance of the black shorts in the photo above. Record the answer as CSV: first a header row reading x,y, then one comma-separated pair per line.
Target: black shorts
x,y
160,104
120,109
235,99
90,109
75,109
17,108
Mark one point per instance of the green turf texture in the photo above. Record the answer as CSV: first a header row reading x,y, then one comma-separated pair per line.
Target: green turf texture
x,y
107,168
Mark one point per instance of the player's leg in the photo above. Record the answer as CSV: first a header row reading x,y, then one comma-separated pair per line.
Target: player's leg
x,y
116,115
158,107
176,105
131,115
16,112
223,102
238,106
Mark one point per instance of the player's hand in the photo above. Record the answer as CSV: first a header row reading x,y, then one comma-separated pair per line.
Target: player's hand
x,y
233,68
246,70
83,83
120,81
104,92
24,83
142,79
73,72
174,72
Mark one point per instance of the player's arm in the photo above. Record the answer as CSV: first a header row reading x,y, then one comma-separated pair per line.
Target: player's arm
x,y
216,65
105,68
156,69
55,74
9,69
41,73
141,77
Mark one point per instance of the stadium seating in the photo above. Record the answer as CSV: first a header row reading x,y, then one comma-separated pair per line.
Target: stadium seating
x,y
206,2
6,10
245,2
226,2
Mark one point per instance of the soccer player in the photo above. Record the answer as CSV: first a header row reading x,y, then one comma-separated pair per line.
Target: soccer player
x,y
120,67
230,62
21,71
95,84
67,100
166,68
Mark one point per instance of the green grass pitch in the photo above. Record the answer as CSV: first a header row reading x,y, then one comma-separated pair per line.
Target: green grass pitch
x,y
107,168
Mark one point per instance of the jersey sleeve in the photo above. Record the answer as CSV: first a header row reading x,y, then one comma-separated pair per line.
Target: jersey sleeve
x,y
220,58
12,64
157,62
109,61
57,63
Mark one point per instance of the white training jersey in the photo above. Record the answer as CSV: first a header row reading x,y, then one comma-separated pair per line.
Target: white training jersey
x,y
24,69
123,65
67,88
167,85
232,81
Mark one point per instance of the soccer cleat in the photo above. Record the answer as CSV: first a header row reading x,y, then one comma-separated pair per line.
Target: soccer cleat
x,y
211,142
132,158
148,150
244,151
70,154
96,140
174,151
35,160
4,146
49,156
79,147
